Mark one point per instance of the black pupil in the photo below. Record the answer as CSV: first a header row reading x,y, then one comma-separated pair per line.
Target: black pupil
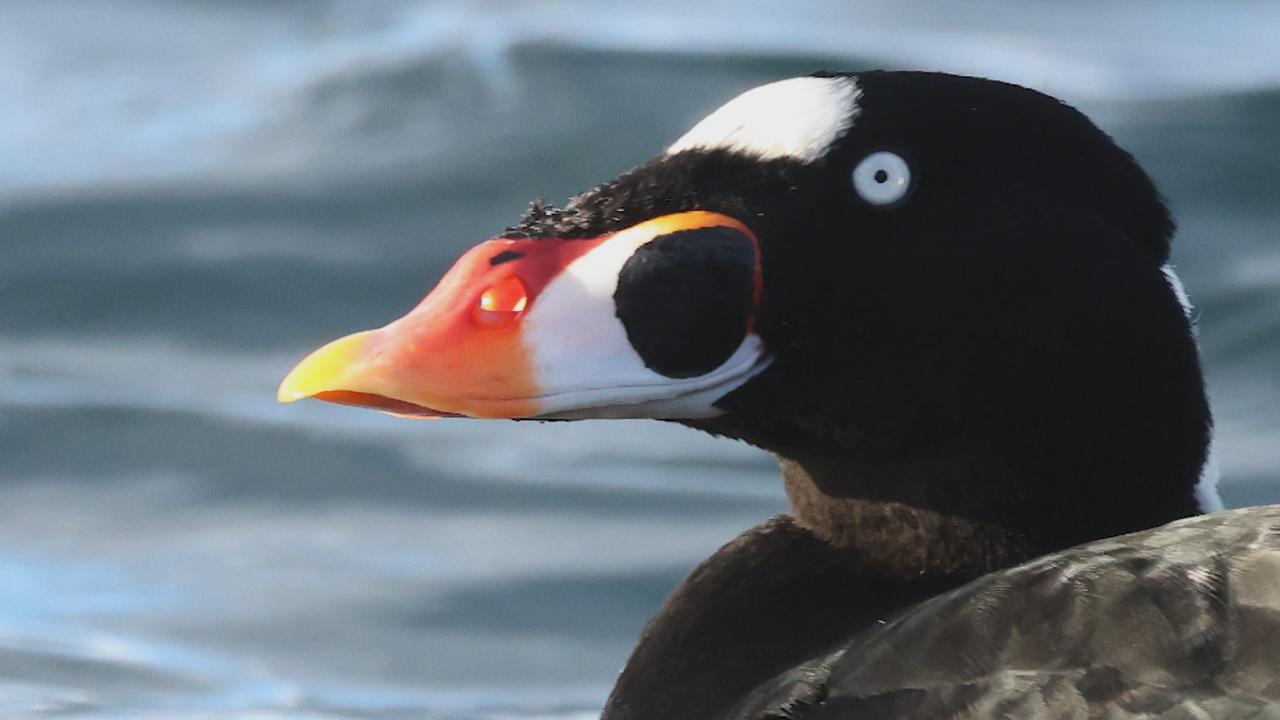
x,y
881,176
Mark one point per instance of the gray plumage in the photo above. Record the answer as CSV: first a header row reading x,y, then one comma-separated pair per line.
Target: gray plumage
x,y
1182,621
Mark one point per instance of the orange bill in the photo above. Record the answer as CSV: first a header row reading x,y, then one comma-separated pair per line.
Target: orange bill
x,y
518,328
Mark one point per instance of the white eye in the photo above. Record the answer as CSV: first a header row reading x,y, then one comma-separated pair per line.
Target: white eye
x,y
882,178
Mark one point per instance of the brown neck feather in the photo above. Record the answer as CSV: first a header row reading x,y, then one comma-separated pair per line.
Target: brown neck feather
x,y
791,589
898,539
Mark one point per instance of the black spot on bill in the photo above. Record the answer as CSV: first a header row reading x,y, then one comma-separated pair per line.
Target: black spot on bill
x,y
685,299
505,256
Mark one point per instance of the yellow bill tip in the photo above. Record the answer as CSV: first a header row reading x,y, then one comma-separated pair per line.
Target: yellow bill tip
x,y
324,370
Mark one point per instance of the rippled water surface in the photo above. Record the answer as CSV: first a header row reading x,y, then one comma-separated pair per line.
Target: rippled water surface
x,y
194,193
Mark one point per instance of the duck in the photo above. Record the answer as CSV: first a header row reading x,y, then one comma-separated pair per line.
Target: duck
x,y
946,305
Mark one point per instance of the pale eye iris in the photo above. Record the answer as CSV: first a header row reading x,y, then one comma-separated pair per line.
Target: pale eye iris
x,y
882,178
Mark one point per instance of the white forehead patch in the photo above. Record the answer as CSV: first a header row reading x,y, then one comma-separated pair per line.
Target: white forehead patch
x,y
798,118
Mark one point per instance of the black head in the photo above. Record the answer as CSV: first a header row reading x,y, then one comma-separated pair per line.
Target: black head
x,y
945,291
998,335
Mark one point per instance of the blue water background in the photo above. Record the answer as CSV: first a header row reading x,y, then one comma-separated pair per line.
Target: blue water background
x,y
192,193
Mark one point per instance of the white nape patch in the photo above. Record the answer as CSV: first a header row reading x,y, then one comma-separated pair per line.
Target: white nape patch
x,y
798,118
1179,289
585,364
1207,488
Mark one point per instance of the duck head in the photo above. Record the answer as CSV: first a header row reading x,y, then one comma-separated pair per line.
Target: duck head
x,y
921,288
